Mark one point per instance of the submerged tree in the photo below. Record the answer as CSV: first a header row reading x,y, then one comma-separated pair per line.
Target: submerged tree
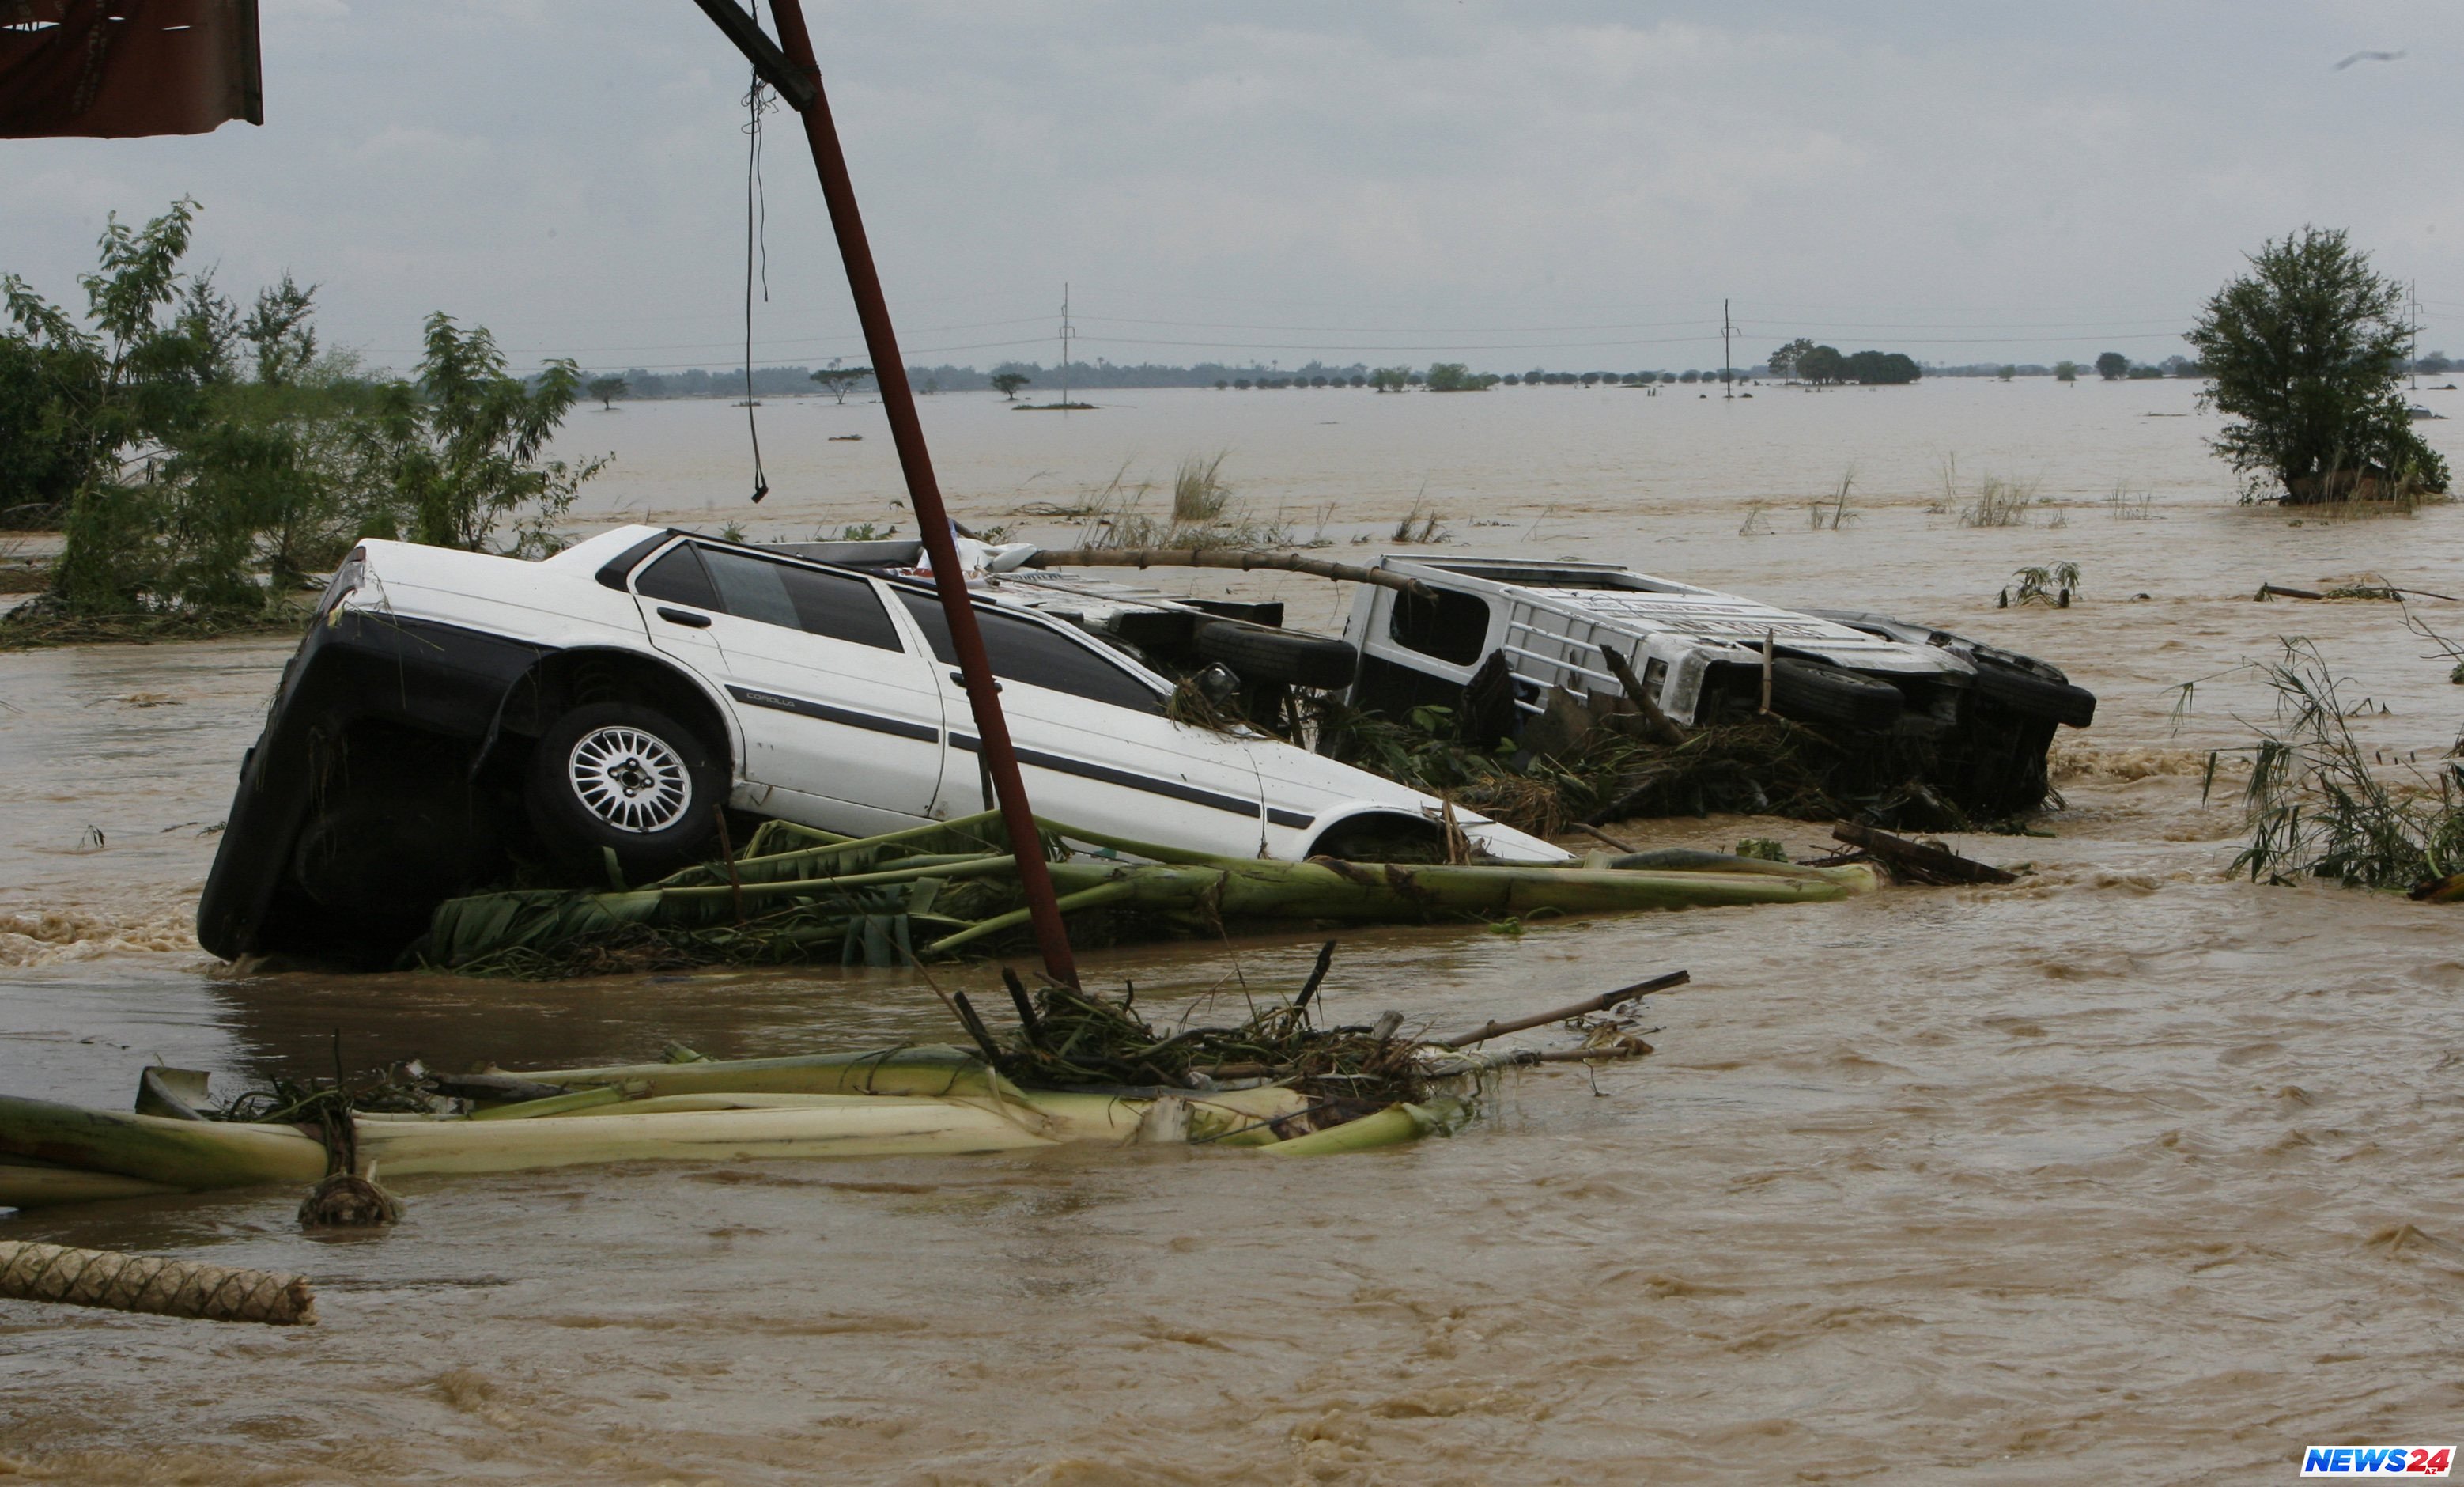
x,y
840,381
1783,362
1881,368
2112,365
2303,353
608,389
1820,365
1007,384
1456,377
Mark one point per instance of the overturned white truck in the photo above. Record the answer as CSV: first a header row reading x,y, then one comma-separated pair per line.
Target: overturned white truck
x,y
1502,642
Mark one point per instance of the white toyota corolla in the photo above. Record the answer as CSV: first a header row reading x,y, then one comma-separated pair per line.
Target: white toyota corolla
x,y
452,716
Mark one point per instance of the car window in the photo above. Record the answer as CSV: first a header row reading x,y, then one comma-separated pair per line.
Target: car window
x,y
836,605
1452,627
678,578
1028,651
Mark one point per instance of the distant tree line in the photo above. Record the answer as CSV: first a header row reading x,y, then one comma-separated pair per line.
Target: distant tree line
x,y
1007,377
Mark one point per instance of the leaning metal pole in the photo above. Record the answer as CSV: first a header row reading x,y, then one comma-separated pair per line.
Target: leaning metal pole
x,y
803,79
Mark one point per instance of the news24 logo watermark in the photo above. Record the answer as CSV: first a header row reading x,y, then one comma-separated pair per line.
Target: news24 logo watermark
x,y
2376,1461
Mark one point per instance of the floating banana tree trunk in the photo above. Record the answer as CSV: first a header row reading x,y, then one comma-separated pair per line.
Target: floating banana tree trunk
x,y
907,1101
937,891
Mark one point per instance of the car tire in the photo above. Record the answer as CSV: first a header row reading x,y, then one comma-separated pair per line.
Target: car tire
x,y
2032,696
1812,691
1278,657
621,777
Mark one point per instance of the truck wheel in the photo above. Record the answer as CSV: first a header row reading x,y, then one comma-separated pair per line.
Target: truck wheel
x,y
2032,696
620,777
1812,691
1259,654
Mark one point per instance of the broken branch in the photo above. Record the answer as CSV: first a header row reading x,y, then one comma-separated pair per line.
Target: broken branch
x,y
1598,1004
1918,861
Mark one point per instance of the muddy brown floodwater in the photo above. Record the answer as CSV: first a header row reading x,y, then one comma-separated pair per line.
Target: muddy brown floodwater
x,y
2132,1172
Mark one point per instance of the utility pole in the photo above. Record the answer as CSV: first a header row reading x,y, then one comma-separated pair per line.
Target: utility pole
x,y
788,66
1728,364
2413,314
1065,334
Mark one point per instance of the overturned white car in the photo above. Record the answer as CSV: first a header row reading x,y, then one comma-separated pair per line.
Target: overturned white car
x,y
455,719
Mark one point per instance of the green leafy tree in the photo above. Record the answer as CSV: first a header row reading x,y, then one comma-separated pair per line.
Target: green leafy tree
x,y
608,389
2112,365
1783,362
461,450
2066,371
188,445
2006,373
2303,354
840,381
1007,384
1881,368
1821,365
45,457
127,380
1391,379
197,451
1456,377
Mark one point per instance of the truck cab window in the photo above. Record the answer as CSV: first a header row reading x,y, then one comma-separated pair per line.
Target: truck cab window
x,y
1452,627
836,605
1028,651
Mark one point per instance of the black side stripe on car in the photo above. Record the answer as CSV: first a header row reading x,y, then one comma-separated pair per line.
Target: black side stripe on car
x,y
1064,765
1279,817
874,722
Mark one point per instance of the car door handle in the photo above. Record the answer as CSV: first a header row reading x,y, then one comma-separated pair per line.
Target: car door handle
x,y
684,617
961,678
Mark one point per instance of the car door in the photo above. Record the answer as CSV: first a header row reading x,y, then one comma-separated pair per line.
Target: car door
x,y
842,722
1093,744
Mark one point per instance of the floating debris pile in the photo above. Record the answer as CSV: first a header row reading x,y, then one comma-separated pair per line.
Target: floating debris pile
x,y
1080,1068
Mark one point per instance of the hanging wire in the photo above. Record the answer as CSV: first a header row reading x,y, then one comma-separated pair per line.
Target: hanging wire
x,y
756,251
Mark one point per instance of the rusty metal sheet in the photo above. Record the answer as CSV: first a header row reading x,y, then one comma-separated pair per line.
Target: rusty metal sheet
x,y
114,69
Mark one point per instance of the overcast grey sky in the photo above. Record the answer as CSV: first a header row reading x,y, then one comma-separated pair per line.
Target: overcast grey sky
x,y
1512,183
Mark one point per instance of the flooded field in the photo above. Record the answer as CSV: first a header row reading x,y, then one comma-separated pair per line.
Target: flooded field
x,y
2132,1169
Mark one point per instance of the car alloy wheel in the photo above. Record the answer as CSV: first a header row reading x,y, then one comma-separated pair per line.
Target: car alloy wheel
x,y
631,779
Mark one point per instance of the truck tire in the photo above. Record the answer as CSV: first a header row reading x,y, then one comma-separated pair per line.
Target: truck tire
x,y
621,777
2032,696
1278,657
1812,691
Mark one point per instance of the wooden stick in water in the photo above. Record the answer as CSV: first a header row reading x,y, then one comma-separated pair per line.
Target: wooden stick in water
x,y
974,1024
1917,860
1026,1008
1317,974
1597,834
1598,1004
